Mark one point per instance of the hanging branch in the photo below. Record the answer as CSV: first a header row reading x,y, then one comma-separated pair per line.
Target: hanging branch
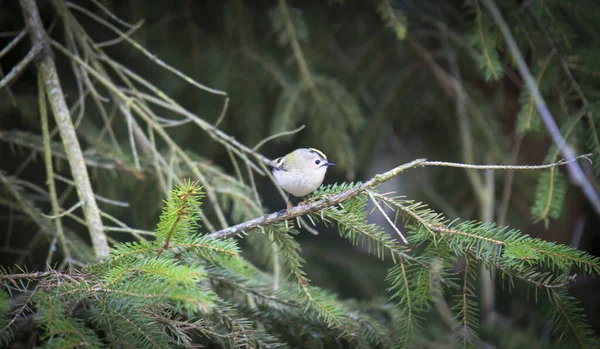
x,y
47,69
575,170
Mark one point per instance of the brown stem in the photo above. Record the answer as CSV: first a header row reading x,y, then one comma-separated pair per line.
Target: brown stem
x,y
180,212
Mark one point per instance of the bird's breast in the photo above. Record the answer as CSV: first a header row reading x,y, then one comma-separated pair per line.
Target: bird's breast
x,y
299,184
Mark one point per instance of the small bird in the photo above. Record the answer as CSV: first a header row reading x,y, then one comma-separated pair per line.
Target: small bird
x,y
300,172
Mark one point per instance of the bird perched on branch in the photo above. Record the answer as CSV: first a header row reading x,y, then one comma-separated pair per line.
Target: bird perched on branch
x,y
300,172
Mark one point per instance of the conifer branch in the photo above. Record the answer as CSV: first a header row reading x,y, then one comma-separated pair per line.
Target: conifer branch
x,y
180,211
496,242
315,206
335,199
575,170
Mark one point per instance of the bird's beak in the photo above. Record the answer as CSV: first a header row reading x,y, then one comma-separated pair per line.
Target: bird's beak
x,y
329,164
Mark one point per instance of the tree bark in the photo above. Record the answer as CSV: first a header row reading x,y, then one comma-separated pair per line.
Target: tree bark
x,y
47,68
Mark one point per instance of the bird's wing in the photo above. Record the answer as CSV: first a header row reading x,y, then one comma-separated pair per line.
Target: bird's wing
x,y
278,165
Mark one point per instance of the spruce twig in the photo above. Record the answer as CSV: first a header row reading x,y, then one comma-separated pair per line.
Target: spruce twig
x,y
335,199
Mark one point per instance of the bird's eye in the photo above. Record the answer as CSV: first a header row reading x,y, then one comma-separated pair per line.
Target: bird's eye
x,y
317,162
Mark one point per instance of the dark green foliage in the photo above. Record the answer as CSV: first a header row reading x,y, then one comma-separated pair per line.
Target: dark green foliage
x,y
410,288
545,72
333,113
528,117
313,299
373,83
466,307
484,38
568,321
117,302
6,332
180,285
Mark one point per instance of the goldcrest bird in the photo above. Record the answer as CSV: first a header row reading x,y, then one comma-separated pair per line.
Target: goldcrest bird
x,y
300,172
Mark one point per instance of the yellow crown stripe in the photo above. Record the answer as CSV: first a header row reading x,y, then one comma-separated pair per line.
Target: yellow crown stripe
x,y
318,152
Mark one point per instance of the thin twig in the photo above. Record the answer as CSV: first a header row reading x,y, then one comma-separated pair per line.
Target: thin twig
x,y
223,113
129,230
277,135
112,15
17,69
370,193
98,197
129,33
507,167
140,110
13,42
134,232
215,133
64,213
146,53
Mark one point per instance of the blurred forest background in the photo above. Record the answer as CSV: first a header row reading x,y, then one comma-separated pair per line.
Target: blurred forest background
x,y
373,84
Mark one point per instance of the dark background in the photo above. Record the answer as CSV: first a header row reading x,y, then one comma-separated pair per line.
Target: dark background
x,y
402,111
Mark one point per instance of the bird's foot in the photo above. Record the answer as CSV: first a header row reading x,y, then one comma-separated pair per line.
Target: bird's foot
x,y
287,210
307,201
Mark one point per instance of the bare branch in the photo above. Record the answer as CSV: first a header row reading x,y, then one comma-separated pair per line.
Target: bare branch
x,y
13,42
17,69
507,167
62,115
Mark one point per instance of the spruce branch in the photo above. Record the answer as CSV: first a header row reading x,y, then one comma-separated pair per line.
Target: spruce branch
x,y
47,70
182,203
575,171
331,200
315,206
